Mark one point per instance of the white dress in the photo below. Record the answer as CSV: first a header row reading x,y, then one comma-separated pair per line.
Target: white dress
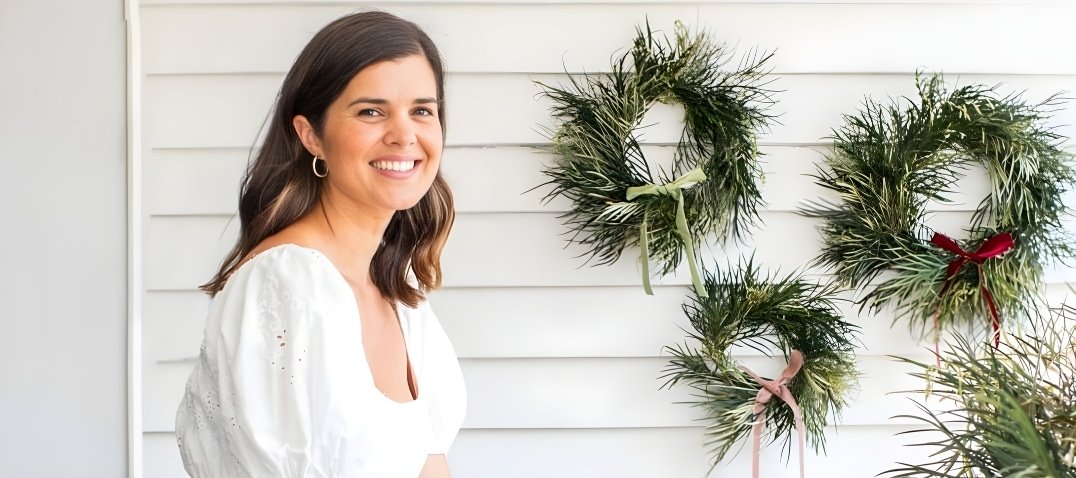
x,y
282,388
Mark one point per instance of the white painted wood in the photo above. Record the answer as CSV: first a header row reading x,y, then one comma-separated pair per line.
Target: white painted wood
x,y
227,111
506,250
171,175
546,39
161,456
563,359
534,322
660,453
135,220
554,2
490,179
628,453
596,392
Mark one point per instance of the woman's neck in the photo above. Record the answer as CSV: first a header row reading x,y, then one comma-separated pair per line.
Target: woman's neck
x,y
350,235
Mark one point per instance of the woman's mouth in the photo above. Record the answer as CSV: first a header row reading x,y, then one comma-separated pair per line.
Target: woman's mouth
x,y
401,166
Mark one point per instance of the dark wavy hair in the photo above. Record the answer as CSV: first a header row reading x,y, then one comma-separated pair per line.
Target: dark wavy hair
x,y
279,186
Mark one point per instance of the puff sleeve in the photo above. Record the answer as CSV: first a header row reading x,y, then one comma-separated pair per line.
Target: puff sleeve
x,y
254,389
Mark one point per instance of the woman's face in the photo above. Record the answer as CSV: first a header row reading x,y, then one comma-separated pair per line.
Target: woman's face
x,y
381,138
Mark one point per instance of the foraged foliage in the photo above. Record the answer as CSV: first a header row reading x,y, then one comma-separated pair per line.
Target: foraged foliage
x,y
1014,412
888,161
598,158
769,315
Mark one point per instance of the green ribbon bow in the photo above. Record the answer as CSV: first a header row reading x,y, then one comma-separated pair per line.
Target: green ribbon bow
x,y
675,190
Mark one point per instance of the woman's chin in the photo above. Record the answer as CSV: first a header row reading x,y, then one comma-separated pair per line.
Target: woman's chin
x,y
403,204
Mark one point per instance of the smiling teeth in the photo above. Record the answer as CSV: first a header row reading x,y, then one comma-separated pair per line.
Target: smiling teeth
x,y
394,165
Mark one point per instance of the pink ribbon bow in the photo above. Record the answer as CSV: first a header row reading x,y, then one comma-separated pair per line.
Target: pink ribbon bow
x,y
770,389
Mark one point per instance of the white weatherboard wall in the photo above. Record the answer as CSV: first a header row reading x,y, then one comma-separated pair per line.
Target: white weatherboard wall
x,y
561,361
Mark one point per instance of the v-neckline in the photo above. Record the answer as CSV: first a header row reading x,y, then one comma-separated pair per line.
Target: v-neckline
x,y
411,377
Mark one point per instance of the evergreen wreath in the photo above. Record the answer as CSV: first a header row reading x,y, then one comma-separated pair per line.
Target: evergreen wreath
x,y
888,161
1015,406
786,314
618,199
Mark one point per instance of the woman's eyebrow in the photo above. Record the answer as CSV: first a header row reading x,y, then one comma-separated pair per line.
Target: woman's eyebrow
x,y
376,101
382,101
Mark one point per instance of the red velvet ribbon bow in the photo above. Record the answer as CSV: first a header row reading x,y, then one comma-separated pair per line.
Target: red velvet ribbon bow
x,y
770,389
992,247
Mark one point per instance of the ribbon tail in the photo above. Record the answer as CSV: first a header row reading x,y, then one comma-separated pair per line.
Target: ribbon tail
x,y
995,321
689,246
937,337
798,415
756,441
644,255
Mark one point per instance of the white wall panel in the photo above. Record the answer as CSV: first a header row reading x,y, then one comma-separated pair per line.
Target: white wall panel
x,y
193,181
625,453
506,250
161,456
555,2
489,179
530,322
663,453
580,37
596,392
562,359
491,249
226,111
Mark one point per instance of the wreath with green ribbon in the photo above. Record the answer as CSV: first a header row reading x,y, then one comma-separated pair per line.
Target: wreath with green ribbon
x,y
618,198
788,315
889,161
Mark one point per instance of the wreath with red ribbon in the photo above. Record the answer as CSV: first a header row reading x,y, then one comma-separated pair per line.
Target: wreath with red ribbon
x,y
890,160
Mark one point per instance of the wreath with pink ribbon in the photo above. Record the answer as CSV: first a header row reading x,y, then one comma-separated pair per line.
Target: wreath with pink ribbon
x,y
889,162
788,316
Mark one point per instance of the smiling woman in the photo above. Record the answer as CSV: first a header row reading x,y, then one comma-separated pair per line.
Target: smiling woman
x,y
321,357
381,138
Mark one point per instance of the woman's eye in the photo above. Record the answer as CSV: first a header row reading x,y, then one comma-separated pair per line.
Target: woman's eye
x,y
369,112
424,112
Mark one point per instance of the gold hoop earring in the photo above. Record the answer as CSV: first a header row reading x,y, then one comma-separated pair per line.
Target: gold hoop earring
x,y
314,165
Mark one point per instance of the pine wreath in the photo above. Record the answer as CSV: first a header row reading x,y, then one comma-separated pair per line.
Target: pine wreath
x,y
888,161
618,199
785,314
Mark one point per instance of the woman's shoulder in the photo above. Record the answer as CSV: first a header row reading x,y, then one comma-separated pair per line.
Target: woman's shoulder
x,y
284,287
287,253
294,238
285,267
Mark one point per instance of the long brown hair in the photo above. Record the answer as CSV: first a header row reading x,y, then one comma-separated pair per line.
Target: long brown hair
x,y
279,186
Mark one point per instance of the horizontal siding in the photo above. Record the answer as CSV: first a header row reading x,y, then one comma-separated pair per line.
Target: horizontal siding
x,y
618,392
560,2
507,250
531,322
518,38
626,453
226,111
563,360
489,180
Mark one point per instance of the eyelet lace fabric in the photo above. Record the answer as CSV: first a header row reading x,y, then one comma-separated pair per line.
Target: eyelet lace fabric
x,y
281,387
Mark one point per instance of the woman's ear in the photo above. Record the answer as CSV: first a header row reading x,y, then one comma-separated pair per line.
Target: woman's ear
x,y
307,135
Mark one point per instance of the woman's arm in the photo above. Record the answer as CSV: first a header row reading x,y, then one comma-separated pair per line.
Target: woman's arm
x,y
436,467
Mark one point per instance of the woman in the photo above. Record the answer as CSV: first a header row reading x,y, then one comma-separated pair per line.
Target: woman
x,y
321,357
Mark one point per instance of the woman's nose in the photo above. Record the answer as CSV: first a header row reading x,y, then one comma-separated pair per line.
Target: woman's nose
x,y
401,130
